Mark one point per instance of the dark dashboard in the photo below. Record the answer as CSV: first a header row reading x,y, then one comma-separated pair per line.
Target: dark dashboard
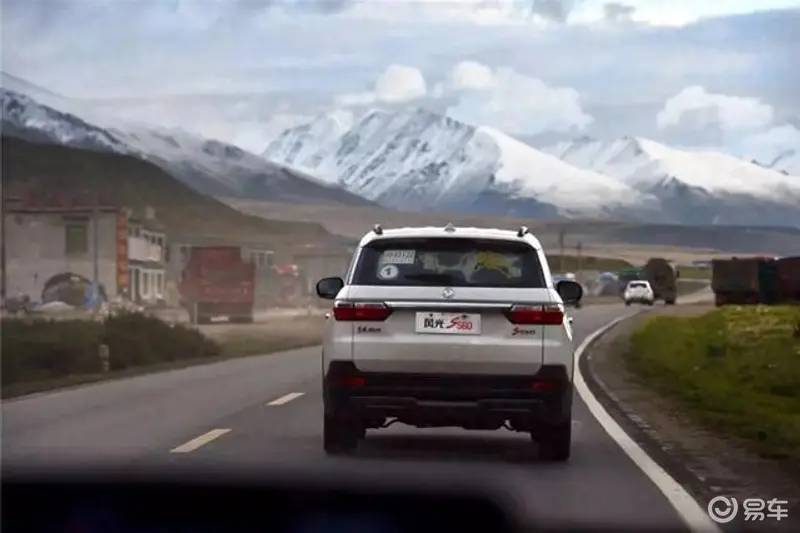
x,y
335,498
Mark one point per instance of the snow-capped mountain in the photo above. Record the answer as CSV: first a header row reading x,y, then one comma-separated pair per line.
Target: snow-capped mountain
x,y
25,117
787,163
418,160
692,187
209,166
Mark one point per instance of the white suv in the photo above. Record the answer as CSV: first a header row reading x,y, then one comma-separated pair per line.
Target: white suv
x,y
639,291
449,327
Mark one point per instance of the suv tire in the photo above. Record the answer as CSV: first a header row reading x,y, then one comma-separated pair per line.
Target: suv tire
x,y
340,434
555,444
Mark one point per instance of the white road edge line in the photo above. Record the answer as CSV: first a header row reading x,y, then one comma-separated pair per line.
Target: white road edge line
x,y
202,440
692,513
286,398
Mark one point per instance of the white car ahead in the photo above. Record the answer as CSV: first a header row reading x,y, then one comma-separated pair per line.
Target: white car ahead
x,y
639,291
449,327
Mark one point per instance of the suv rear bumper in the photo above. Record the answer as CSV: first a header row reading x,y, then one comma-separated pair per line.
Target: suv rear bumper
x,y
439,400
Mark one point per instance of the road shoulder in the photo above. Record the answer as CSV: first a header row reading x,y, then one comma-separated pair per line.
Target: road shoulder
x,y
274,336
706,464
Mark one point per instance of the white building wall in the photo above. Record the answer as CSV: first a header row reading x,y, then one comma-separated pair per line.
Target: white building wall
x,y
36,250
143,249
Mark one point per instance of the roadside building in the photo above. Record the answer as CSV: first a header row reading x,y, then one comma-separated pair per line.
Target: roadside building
x,y
147,255
46,239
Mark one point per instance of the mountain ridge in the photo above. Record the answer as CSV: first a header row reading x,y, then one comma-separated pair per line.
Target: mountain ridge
x,y
210,166
186,213
415,159
698,187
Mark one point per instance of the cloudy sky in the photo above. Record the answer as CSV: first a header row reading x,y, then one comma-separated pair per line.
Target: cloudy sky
x,y
715,73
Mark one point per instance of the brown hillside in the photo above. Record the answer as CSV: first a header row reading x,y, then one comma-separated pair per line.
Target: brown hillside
x,y
129,181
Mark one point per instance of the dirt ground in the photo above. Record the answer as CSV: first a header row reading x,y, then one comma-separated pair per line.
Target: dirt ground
x,y
294,326
708,464
349,221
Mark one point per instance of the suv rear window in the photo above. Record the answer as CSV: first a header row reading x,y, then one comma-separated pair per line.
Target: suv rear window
x,y
637,285
453,262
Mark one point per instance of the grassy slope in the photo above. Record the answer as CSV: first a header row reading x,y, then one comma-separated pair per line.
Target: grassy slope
x,y
128,181
570,263
601,238
735,369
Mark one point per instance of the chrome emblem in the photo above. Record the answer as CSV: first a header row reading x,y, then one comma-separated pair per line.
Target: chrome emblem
x,y
448,293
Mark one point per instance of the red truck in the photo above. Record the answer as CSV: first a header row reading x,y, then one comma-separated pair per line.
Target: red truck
x,y
216,281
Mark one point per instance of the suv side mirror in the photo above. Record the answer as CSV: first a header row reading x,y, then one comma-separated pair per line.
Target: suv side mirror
x,y
570,291
328,288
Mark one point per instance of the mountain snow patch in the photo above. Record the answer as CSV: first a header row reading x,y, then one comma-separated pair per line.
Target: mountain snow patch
x,y
417,160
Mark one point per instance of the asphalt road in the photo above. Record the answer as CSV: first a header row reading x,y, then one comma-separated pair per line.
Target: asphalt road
x,y
270,408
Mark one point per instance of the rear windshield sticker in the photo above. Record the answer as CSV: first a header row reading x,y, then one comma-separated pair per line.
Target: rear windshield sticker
x,y
399,257
494,261
388,272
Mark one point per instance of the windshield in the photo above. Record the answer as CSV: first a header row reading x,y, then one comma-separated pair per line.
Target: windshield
x,y
182,178
449,261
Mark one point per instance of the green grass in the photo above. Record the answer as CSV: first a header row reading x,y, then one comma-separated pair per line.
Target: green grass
x,y
736,369
572,262
689,287
42,355
694,272
232,348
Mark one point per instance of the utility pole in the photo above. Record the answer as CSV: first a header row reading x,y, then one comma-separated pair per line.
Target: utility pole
x,y
561,234
96,241
3,251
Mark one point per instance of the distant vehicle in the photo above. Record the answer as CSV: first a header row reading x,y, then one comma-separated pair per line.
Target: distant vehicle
x,y
663,278
216,281
639,291
750,280
788,274
449,327
626,275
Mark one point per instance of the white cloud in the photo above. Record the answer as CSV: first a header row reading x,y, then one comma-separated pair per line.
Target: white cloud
x,y
730,113
767,145
512,102
471,75
747,125
355,99
248,56
398,84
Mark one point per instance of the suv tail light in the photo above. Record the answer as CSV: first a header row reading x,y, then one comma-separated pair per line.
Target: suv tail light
x,y
349,381
544,385
538,315
361,311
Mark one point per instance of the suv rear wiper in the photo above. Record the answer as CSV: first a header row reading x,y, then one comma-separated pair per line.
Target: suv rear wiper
x,y
434,277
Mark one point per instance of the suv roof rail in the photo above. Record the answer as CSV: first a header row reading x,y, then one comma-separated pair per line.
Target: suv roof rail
x,y
522,231
377,229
